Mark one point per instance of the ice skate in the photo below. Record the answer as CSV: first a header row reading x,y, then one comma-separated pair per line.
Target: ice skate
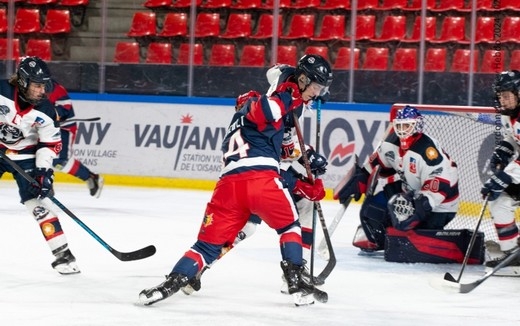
x,y
512,269
193,285
65,263
301,292
95,184
164,290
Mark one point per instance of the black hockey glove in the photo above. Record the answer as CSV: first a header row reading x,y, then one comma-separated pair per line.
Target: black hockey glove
x,y
44,179
496,185
323,98
356,186
501,156
317,162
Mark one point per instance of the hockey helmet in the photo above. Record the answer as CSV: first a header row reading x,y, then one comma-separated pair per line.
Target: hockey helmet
x,y
507,81
316,69
33,70
408,122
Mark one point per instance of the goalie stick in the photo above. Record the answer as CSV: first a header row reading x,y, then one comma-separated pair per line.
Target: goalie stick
x,y
332,260
80,120
453,286
123,256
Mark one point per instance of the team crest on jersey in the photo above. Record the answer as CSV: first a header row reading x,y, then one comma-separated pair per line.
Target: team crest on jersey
x,y
48,229
39,121
432,153
10,134
413,165
208,220
4,110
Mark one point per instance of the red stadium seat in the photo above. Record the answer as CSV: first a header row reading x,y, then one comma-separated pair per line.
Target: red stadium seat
x,y
252,56
184,54
4,43
57,21
175,24
158,4
185,3
127,52
514,61
365,27
39,48
452,30
246,4
269,4
319,50
216,4
3,20
332,28
143,24
430,30
510,29
300,26
265,27
435,60
334,5
41,2
159,52
207,24
376,59
445,5
238,26
509,5
416,5
222,55
304,4
77,9
367,4
393,4
393,29
287,54
461,61
493,62
27,21
405,59
485,29
73,3
343,58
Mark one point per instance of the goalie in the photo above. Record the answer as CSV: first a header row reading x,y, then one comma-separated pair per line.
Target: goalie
x,y
417,185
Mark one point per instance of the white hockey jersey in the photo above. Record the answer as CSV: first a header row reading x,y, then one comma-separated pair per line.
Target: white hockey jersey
x,y
424,169
511,133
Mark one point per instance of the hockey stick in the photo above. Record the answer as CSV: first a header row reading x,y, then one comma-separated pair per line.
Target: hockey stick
x,y
323,251
123,256
468,287
332,261
317,144
80,120
450,277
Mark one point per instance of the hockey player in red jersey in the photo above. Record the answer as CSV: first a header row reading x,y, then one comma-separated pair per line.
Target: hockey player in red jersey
x,y
30,136
65,162
251,153
503,188
418,186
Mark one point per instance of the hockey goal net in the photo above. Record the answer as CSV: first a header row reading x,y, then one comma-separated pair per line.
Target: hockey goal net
x,y
468,134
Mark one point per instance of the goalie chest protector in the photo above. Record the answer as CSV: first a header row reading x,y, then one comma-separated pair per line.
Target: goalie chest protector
x,y
433,246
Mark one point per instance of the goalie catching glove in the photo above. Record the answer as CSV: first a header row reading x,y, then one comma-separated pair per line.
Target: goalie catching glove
x,y
43,186
355,186
407,212
314,192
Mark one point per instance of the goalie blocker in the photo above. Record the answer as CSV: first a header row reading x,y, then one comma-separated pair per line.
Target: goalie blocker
x,y
432,246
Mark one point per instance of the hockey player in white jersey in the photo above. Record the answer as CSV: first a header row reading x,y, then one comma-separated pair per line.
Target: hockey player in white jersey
x,y
30,136
420,184
503,188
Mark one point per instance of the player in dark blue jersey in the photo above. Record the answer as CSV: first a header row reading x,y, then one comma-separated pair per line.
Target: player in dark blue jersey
x,y
250,183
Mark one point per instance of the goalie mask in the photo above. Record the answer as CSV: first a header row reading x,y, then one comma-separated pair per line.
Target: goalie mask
x,y
407,124
507,91
314,71
33,70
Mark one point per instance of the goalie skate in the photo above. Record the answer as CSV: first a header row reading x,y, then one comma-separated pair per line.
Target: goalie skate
x,y
65,263
162,291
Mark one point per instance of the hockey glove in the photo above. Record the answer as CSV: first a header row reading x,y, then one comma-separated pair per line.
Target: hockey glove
x,y
317,162
314,192
496,185
287,144
501,156
356,186
402,212
294,91
242,99
323,98
44,179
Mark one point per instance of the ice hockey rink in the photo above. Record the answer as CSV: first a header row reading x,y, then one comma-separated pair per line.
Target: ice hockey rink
x,y
241,289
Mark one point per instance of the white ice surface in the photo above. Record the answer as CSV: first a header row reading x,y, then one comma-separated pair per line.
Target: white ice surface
x,y
241,289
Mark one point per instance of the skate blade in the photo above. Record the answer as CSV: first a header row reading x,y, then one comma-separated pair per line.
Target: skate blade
x,y
303,300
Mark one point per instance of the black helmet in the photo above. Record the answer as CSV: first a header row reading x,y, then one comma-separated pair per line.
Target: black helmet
x,y
316,68
504,82
33,69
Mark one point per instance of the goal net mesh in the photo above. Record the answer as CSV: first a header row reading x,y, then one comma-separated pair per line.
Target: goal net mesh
x,y
468,135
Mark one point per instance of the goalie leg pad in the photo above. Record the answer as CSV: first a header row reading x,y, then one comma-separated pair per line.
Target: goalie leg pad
x,y
433,246
374,219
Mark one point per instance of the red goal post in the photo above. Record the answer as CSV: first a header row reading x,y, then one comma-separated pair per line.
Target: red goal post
x,y
468,135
